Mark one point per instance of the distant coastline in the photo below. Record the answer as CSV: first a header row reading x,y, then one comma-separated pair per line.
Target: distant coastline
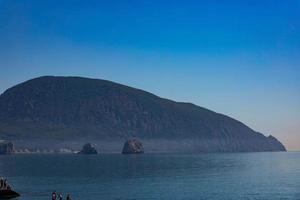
x,y
53,110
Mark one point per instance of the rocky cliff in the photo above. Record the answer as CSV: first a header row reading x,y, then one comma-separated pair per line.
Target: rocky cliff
x,y
133,146
72,108
88,148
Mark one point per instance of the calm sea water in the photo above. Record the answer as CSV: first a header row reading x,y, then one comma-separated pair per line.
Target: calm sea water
x,y
156,176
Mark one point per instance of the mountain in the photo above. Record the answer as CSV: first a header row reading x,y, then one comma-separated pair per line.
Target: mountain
x,y
69,108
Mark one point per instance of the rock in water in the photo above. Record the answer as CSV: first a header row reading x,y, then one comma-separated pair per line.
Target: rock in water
x,y
133,146
88,148
6,148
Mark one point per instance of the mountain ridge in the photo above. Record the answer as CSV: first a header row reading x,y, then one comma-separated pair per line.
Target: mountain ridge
x,y
72,107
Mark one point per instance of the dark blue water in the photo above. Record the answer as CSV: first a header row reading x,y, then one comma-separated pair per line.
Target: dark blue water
x,y
265,176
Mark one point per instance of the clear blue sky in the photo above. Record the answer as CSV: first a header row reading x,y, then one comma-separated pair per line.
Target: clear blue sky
x,y
240,58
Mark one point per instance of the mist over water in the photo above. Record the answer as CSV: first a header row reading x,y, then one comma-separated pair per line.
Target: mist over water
x,y
265,176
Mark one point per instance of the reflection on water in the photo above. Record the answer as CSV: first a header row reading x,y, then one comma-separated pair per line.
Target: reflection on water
x,y
156,176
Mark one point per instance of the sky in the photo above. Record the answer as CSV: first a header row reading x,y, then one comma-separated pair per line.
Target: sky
x,y
240,58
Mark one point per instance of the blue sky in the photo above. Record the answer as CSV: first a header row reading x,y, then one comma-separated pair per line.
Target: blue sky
x,y
240,58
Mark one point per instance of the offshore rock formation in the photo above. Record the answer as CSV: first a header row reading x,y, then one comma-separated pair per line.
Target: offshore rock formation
x,y
133,146
88,149
6,148
73,108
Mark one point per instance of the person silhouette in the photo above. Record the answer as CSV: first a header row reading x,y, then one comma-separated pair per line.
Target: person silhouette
x,y
60,196
68,197
1,182
54,195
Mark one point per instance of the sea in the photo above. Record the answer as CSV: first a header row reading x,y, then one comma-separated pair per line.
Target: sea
x,y
211,176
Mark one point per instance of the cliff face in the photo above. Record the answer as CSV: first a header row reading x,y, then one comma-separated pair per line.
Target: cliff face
x,y
73,107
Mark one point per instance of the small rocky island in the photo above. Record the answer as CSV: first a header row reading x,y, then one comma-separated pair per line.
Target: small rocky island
x,y
133,146
6,148
88,148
